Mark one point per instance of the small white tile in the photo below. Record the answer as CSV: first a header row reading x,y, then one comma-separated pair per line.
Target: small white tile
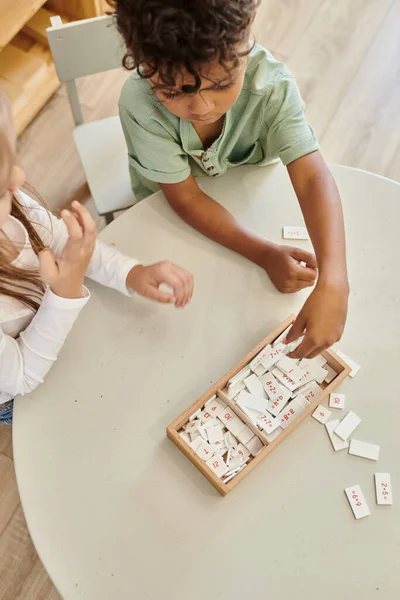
x,y
220,448
312,372
254,385
331,373
242,451
235,426
290,413
227,415
321,414
383,488
364,449
275,391
354,366
230,440
282,336
256,403
311,391
207,417
260,370
268,423
195,415
203,432
289,366
302,401
232,474
204,450
347,425
240,376
214,406
337,401
254,446
214,397
185,436
250,413
276,406
238,457
273,356
295,232
215,434
233,390
357,501
196,443
235,461
192,426
337,443
245,435
217,465
195,434
254,363
319,360
284,379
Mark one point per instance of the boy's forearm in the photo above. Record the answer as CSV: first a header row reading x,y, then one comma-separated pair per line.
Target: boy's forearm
x,y
212,220
322,210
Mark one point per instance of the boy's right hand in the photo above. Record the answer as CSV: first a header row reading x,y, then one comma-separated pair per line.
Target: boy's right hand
x,y
283,267
65,274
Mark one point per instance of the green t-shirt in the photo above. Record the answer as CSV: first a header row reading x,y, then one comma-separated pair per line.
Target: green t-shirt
x,y
266,122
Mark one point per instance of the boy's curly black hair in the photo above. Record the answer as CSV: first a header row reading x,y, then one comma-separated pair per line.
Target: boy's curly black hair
x,y
167,36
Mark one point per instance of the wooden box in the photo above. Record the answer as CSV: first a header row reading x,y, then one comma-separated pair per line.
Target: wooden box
x,y
341,368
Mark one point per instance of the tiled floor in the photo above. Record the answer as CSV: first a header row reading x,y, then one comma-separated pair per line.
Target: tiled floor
x,y
346,57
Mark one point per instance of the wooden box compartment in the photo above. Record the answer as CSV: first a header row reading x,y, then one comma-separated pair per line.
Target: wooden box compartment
x,y
334,361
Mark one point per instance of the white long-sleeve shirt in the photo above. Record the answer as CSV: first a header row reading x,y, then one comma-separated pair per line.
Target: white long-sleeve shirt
x,y
29,341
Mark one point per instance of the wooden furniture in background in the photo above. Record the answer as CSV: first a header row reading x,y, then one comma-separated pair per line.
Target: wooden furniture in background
x,y
27,72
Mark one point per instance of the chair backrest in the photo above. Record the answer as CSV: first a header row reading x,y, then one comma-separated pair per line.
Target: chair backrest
x,y
83,48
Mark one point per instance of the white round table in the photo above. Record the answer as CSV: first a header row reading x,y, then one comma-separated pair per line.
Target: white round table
x,y
117,512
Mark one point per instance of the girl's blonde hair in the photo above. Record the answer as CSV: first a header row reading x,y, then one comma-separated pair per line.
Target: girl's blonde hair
x,y
23,284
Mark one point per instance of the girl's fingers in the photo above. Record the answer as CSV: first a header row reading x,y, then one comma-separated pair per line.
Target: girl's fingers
x,y
177,285
75,231
48,268
153,293
187,280
85,220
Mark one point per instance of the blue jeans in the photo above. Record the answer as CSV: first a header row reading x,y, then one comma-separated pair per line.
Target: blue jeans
x,y
6,413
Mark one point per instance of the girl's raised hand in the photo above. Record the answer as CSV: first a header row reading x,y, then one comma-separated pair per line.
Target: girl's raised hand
x,y
65,274
147,280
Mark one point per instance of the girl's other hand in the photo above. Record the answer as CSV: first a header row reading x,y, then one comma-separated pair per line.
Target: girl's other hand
x,y
65,274
147,280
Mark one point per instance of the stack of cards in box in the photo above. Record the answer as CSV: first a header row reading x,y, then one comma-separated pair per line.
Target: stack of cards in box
x,y
221,439
273,390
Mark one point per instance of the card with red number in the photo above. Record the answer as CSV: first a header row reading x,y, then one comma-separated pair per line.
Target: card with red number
x,y
357,501
383,487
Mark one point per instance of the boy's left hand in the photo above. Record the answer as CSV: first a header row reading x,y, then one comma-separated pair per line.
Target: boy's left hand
x,y
147,280
321,320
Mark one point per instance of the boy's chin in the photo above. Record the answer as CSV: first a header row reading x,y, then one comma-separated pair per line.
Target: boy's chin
x,y
208,120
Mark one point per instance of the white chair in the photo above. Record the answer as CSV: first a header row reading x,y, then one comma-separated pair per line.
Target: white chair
x,y
79,49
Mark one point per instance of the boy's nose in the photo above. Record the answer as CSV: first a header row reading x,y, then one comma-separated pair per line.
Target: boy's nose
x,y
200,106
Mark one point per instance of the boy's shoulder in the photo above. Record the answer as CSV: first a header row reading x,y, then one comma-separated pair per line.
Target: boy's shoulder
x,y
264,71
138,99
